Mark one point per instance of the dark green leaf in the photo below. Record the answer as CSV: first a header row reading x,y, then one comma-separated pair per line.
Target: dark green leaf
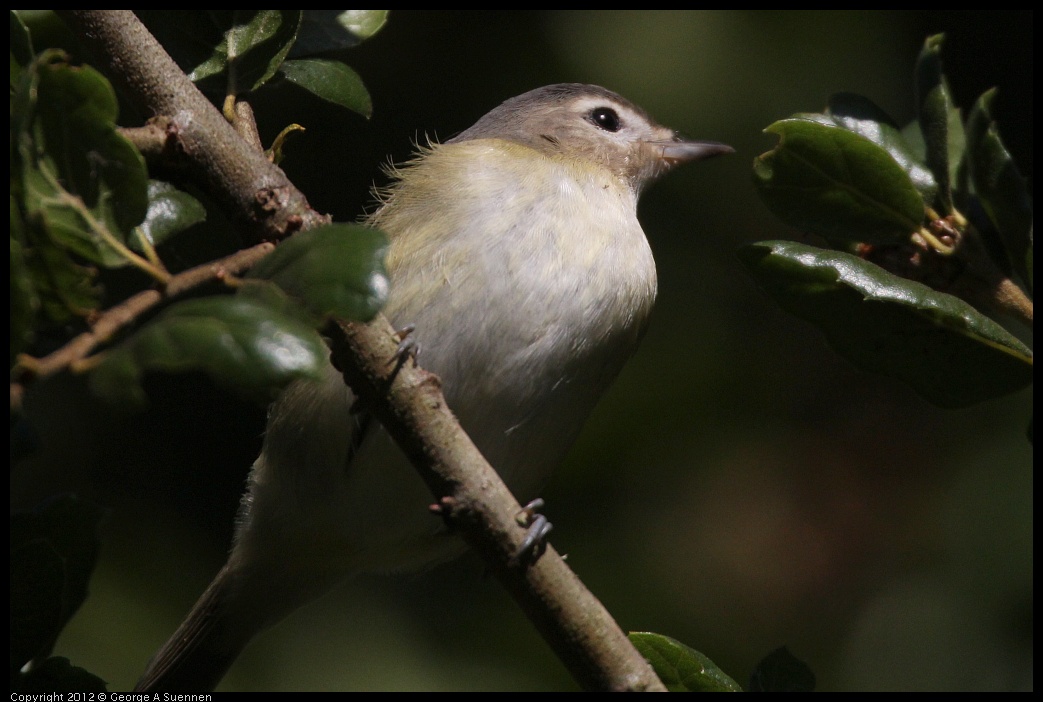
x,y
21,46
267,293
170,211
332,81
237,341
999,185
335,270
24,90
332,30
78,111
862,116
53,552
42,168
780,671
680,668
256,45
37,577
65,288
82,185
226,52
56,674
837,184
945,349
194,39
46,29
939,121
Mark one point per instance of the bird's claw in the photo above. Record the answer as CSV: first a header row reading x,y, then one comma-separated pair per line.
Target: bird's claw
x,y
408,346
539,527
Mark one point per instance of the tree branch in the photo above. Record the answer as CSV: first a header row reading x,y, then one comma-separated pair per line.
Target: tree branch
x,y
407,400
121,316
259,195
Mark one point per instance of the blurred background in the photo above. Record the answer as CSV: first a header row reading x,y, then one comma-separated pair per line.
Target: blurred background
x,y
739,489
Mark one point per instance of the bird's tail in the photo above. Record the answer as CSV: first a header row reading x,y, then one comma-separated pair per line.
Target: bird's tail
x,y
206,644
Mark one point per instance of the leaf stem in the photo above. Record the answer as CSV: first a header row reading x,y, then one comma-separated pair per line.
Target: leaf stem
x,y
102,232
147,248
934,242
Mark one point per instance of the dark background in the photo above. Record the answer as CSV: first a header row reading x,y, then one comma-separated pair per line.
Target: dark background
x,y
739,489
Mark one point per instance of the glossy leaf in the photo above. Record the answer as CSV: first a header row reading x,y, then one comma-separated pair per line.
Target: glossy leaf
x,y
226,52
999,185
781,671
939,121
334,270
837,184
170,211
680,668
53,551
942,347
862,116
237,341
332,81
331,30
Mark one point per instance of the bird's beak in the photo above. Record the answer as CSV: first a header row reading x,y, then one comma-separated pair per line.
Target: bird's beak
x,y
678,152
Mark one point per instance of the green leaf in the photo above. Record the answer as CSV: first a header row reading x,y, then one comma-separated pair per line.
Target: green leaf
x,y
837,184
942,347
56,674
267,293
939,121
225,52
332,81
780,671
335,270
68,166
170,211
680,668
37,578
65,288
256,45
82,186
239,342
999,185
53,552
862,116
21,46
195,40
78,111
331,30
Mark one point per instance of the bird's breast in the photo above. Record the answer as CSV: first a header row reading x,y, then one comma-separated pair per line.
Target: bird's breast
x,y
529,289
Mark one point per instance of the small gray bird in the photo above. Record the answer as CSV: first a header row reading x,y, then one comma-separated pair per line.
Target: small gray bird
x,y
516,252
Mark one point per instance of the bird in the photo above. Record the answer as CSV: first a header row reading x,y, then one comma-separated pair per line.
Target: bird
x,y
517,259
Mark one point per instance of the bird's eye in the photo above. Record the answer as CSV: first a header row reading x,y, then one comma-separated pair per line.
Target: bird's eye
x,y
605,118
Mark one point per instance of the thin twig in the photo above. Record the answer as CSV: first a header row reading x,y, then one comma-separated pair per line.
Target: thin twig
x,y
115,319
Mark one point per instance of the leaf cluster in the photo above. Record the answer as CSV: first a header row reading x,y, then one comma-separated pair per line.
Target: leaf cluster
x,y
83,201
53,551
86,204
927,232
